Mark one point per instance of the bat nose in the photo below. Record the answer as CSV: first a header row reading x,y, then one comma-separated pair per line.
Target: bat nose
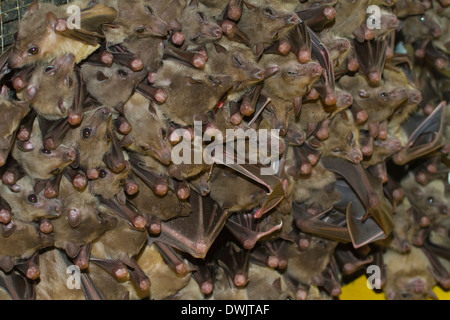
x,y
343,45
316,70
258,74
217,32
69,155
282,129
292,19
436,32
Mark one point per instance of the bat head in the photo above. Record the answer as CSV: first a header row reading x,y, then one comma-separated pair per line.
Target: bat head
x,y
150,132
293,79
109,183
111,86
198,27
265,24
410,288
26,202
136,19
343,141
42,163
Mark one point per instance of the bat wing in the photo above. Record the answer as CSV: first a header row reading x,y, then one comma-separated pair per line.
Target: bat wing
x,y
314,225
425,135
17,286
3,62
368,189
362,231
371,55
91,21
196,233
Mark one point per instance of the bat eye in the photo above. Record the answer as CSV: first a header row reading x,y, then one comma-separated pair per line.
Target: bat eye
x,y
87,132
384,95
102,173
122,182
122,73
69,81
238,62
269,12
140,30
45,151
431,200
108,137
405,295
163,133
33,51
422,18
202,17
275,37
48,69
149,9
336,150
32,198
291,73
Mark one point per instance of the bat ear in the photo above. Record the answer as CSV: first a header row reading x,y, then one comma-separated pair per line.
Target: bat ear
x,y
152,110
249,5
417,192
51,21
192,80
101,76
193,4
33,7
219,48
344,116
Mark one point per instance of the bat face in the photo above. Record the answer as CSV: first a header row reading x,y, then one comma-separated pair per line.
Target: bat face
x,y
95,130
149,131
338,48
293,79
143,23
274,23
41,163
372,98
26,204
109,183
277,113
408,288
111,86
237,60
421,27
198,27
431,199
51,89
343,141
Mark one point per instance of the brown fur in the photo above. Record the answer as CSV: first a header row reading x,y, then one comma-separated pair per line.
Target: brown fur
x,y
28,211
40,163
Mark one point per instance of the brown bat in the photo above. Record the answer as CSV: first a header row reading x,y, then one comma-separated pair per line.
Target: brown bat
x,y
96,126
12,114
237,60
371,56
119,248
302,273
421,27
144,23
343,138
15,286
22,240
267,283
198,28
101,80
144,118
179,81
26,204
150,50
408,275
51,89
255,18
44,35
82,220
235,262
41,163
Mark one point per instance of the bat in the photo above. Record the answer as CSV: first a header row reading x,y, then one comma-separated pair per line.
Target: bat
x,y
198,27
16,287
12,114
178,81
144,23
371,56
26,205
317,17
43,34
255,18
120,79
235,262
144,118
348,262
41,163
275,287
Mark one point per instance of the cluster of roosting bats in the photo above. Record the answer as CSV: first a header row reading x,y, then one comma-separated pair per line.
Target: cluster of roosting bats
x,y
89,118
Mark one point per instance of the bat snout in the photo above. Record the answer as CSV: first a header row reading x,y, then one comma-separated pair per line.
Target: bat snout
x,y
292,19
258,74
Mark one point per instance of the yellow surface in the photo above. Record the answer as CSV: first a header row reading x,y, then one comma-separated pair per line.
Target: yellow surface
x,y
357,290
